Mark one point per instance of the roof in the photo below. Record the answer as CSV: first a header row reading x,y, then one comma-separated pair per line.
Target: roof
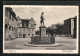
x,y
11,11
25,20
70,18
25,27
22,27
67,19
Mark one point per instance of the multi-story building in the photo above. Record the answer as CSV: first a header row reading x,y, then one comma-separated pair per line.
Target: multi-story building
x,y
26,27
70,27
75,27
16,27
10,23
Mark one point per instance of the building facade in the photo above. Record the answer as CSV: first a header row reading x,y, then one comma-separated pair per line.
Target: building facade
x,y
75,27
70,27
10,23
26,27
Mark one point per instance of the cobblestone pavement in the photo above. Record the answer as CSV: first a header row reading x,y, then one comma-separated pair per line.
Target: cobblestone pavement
x,y
19,43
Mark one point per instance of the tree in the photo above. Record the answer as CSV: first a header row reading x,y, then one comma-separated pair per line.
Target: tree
x,y
60,28
50,31
37,32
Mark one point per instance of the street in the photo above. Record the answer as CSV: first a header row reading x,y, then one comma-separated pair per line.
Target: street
x,y
67,44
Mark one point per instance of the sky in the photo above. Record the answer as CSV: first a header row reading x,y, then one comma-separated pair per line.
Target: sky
x,y
52,14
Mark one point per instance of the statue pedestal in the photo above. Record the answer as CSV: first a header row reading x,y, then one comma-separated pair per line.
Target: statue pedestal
x,y
42,39
42,31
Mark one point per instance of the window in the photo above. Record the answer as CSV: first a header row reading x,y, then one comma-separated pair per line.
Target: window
x,y
12,28
18,24
32,29
9,15
9,27
32,25
6,26
19,34
20,30
28,34
24,29
12,18
32,34
6,12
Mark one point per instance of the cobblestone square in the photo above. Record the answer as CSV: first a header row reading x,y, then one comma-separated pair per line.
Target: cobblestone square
x,y
67,44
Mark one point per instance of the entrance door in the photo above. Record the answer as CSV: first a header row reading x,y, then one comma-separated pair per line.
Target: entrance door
x,y
23,35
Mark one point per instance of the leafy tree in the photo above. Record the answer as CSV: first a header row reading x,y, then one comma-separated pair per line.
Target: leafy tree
x,y
60,28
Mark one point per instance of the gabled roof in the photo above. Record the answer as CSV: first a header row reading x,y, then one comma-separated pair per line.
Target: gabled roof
x,y
11,11
25,20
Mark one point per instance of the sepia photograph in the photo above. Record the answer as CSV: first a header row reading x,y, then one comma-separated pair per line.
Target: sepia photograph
x,y
40,29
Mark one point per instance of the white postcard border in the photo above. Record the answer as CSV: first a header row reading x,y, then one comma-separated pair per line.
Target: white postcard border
x,y
41,51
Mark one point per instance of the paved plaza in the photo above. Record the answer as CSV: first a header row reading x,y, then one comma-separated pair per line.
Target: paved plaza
x,y
19,43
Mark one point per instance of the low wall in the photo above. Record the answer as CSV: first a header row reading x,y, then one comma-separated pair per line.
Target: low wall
x,y
42,40
35,40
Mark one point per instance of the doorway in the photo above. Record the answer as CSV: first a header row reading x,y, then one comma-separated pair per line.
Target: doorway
x,y
23,35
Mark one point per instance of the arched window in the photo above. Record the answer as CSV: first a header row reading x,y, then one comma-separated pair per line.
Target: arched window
x,y
9,27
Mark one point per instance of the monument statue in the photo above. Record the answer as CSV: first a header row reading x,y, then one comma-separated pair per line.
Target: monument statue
x,y
42,38
42,19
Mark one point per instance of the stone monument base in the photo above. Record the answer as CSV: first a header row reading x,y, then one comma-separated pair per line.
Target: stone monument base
x,y
42,31
43,45
43,40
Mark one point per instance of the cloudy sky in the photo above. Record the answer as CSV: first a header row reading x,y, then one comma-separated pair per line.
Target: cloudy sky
x,y
52,14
